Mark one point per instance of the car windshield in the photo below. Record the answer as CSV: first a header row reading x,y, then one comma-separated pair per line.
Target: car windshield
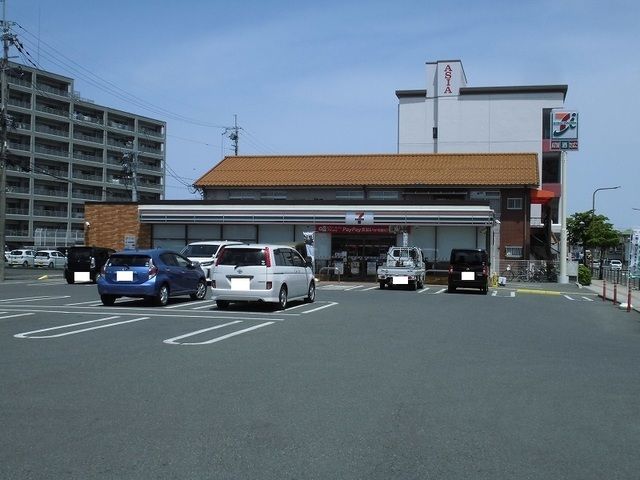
x,y
200,250
242,257
79,253
42,254
129,261
469,257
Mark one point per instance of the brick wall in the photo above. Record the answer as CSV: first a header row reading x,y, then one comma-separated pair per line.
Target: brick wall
x,y
110,222
514,228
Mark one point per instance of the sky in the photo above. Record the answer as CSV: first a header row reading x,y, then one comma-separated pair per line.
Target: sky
x,y
320,77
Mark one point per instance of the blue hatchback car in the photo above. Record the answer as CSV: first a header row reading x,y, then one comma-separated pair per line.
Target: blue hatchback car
x,y
153,274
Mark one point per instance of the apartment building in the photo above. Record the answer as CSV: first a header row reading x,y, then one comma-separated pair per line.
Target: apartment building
x,y
64,150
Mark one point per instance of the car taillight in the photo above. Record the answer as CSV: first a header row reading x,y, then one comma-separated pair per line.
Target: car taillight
x,y
103,270
92,262
153,270
267,257
450,268
484,270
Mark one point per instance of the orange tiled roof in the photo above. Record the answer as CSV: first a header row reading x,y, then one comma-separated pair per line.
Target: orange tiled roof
x,y
452,169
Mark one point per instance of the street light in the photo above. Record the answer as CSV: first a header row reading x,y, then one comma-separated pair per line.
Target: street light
x,y
593,201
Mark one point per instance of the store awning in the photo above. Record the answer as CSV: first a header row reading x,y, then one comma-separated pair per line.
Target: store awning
x,y
541,196
478,215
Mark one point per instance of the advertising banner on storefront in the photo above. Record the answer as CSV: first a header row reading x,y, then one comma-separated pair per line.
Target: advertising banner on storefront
x,y
634,253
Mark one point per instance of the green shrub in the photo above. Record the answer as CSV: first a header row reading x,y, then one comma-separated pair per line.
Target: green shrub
x,y
584,275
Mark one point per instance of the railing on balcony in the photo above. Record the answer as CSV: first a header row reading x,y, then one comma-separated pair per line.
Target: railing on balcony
x,y
86,195
51,131
19,103
84,176
57,237
52,111
120,126
17,189
89,158
40,212
77,214
149,132
17,211
155,168
12,232
51,171
49,89
19,146
50,192
22,125
52,151
19,81
88,138
117,144
148,149
86,118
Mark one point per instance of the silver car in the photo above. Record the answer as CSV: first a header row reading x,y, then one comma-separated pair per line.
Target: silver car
x,y
22,257
261,273
205,253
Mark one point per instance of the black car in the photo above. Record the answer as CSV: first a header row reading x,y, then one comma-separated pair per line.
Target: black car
x,y
469,268
84,263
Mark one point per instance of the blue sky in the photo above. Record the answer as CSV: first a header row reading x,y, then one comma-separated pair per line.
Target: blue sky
x,y
320,77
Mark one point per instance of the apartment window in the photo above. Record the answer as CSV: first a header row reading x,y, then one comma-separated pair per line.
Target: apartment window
x,y
513,252
242,195
273,195
383,195
350,195
514,203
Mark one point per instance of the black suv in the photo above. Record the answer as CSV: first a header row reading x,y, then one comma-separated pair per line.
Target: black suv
x,y
469,268
84,263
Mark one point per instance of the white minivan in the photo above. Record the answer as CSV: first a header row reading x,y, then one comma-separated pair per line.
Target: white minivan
x,y
261,273
205,253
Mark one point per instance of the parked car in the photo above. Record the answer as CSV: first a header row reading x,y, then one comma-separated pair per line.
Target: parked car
x,y
205,253
615,265
261,272
84,263
49,259
152,274
22,257
468,268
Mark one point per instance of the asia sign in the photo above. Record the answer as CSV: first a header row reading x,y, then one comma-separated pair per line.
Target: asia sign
x,y
564,130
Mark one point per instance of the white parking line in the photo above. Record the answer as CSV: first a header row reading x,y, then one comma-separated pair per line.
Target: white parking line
x,y
494,293
177,305
229,335
353,288
331,304
202,307
568,297
588,299
370,288
73,332
513,294
174,340
31,299
92,302
16,315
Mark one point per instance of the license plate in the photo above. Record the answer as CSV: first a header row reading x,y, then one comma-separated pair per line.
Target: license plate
x,y
81,277
240,284
401,280
468,276
124,276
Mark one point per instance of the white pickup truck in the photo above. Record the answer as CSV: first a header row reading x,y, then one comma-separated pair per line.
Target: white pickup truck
x,y
403,266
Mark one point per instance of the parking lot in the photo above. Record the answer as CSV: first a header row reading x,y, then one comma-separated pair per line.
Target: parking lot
x,y
523,382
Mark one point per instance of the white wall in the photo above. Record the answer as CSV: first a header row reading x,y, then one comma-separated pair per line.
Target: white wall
x,y
455,237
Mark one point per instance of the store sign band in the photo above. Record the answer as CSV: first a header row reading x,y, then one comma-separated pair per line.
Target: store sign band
x,y
361,229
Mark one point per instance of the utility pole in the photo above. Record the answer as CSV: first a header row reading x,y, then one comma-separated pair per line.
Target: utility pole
x,y
7,38
130,170
232,132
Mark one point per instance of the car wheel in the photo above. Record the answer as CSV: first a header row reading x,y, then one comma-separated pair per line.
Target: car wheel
x,y
282,298
413,285
381,285
25,264
108,300
201,291
451,289
162,298
69,279
311,294
222,304
51,265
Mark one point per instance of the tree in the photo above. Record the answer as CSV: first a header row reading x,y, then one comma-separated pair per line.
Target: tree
x,y
591,231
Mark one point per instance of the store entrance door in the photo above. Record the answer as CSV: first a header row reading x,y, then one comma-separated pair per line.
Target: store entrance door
x,y
360,255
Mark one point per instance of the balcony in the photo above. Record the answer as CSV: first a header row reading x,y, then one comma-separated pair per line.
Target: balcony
x,y
86,195
41,212
56,172
22,125
14,232
115,143
18,189
149,132
146,166
17,211
52,111
19,146
19,81
120,126
148,149
88,138
52,151
19,103
50,192
81,117
84,176
88,158
52,131
49,89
